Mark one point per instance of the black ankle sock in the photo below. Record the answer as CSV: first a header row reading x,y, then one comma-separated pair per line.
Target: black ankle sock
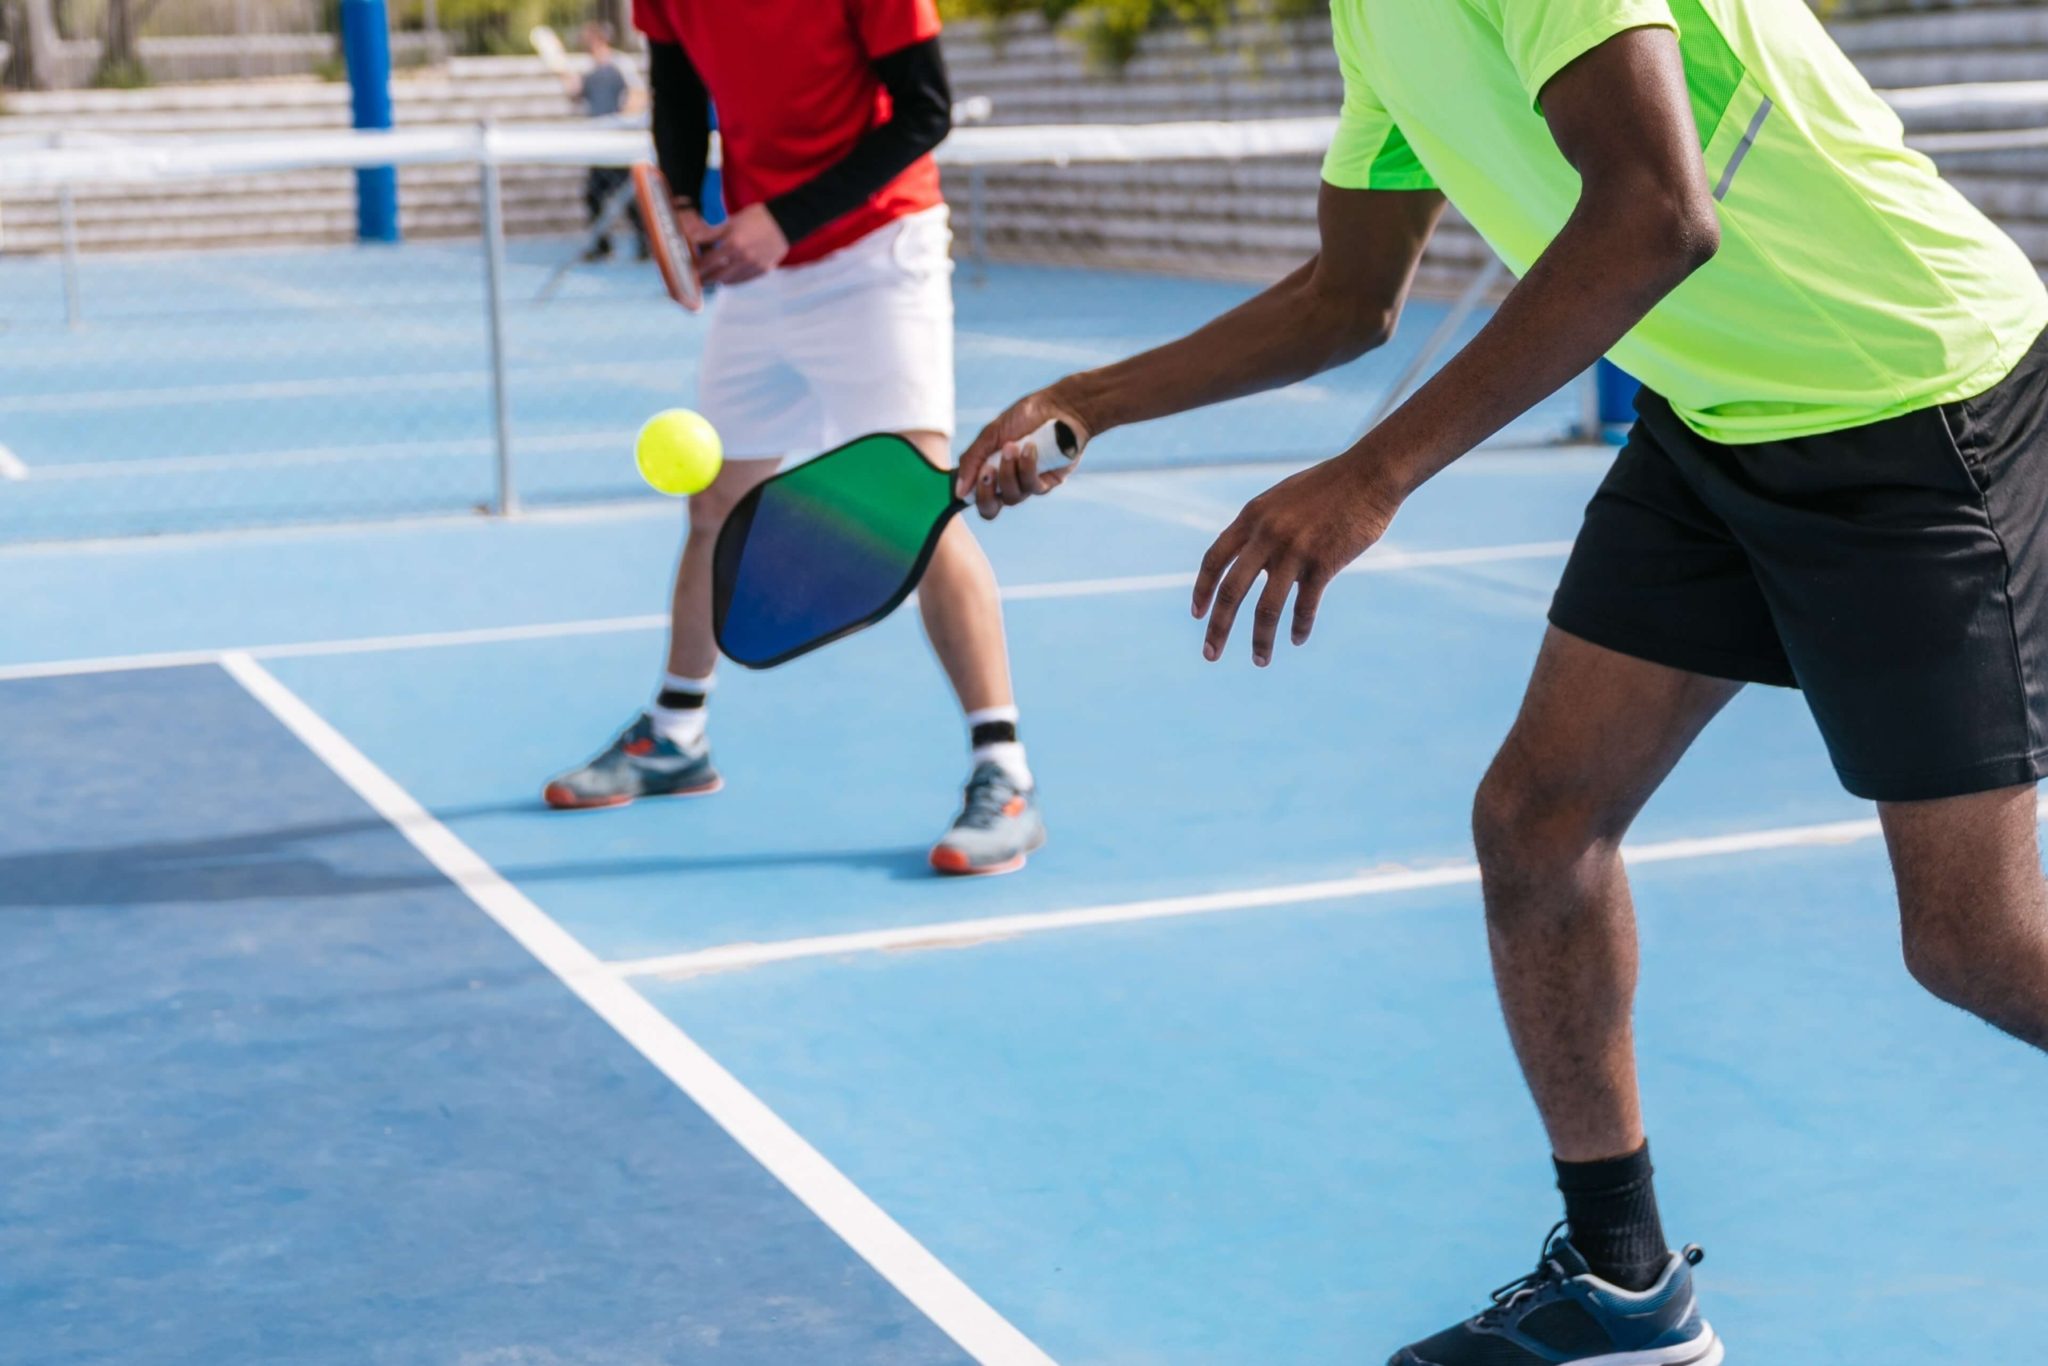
x,y
1612,1208
993,733
675,699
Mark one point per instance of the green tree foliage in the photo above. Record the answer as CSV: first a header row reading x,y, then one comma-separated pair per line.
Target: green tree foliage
x,y
1114,29
120,65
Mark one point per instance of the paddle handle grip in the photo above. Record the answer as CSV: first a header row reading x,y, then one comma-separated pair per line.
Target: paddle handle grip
x,y
1058,445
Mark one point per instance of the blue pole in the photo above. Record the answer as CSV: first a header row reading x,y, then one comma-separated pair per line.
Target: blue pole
x,y
366,47
1617,393
711,199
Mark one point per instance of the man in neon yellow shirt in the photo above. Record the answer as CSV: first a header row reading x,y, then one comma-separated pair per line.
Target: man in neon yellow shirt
x,y
1838,482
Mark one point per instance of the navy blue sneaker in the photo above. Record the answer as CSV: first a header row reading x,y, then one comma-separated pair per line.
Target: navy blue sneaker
x,y
639,763
1561,1312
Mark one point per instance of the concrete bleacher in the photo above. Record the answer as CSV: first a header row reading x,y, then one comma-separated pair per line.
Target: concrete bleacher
x,y
1949,47
1247,219
294,207
1258,218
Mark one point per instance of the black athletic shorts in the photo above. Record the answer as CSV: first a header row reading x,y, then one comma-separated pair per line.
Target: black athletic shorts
x,y
1896,572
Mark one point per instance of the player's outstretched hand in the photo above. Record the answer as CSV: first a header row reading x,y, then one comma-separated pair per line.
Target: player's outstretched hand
x,y
744,247
996,473
1300,534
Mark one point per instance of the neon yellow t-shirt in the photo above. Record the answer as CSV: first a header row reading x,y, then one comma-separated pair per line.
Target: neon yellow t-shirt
x,y
1852,283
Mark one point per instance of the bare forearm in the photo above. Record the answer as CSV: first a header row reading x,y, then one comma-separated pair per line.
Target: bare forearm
x,y
1291,331
1338,306
1645,220
1596,281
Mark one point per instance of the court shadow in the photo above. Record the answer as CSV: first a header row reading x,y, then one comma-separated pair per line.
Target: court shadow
x,y
907,863
187,872
337,859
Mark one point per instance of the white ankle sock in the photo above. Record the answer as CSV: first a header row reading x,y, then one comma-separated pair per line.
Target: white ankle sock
x,y
680,726
1007,755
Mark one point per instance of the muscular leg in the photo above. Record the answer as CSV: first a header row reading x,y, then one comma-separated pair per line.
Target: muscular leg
x,y
1597,733
963,616
692,651
1973,907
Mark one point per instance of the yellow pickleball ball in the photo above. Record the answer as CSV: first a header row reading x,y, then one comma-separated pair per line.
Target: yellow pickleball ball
x,y
678,452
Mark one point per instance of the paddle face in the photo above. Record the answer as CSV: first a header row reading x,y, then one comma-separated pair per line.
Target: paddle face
x,y
822,550
673,253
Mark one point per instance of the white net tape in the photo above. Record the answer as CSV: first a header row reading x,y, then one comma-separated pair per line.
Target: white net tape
x,y
79,160
1945,120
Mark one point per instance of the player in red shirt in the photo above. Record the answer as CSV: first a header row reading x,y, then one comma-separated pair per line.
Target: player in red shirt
x,y
833,318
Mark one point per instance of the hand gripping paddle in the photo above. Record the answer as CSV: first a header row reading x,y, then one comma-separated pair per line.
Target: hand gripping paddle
x,y
836,544
673,254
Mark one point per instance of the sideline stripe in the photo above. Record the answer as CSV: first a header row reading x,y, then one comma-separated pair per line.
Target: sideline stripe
x,y
453,447
625,509
11,466
175,659
964,933
866,1228
1376,561
643,375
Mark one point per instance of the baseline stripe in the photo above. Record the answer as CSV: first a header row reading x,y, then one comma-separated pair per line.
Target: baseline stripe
x,y
1377,561
903,1261
964,933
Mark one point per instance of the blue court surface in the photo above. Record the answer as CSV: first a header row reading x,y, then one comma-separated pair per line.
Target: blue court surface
x,y
231,389
324,1042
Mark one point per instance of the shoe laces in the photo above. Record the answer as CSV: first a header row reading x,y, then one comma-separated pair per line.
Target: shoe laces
x,y
989,791
1549,1272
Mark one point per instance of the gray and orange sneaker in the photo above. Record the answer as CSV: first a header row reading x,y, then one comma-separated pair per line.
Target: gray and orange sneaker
x,y
1561,1313
641,762
997,829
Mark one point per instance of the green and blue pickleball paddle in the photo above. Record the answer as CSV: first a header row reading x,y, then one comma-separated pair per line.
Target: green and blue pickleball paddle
x,y
836,544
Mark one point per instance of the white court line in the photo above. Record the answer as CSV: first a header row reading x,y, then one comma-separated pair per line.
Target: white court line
x,y
963,933
11,466
649,374
883,1243
1159,499
425,640
1378,561
629,509
104,399
452,447
1375,561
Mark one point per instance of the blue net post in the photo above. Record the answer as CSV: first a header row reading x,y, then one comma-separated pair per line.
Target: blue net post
x,y
1617,389
366,47
711,200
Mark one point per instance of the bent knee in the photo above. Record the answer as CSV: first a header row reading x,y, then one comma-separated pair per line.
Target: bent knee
x,y
1945,959
1529,827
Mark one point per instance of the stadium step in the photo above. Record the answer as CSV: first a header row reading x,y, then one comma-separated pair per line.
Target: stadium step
x,y
1249,218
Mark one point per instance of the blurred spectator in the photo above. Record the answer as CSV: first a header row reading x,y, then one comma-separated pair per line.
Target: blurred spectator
x,y
612,86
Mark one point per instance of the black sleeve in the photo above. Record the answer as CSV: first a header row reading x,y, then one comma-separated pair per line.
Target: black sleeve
x,y
920,116
681,115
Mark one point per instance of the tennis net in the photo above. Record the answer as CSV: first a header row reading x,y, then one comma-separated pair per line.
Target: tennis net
x,y
190,338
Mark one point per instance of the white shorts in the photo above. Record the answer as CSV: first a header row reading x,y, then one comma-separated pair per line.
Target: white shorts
x,y
807,357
